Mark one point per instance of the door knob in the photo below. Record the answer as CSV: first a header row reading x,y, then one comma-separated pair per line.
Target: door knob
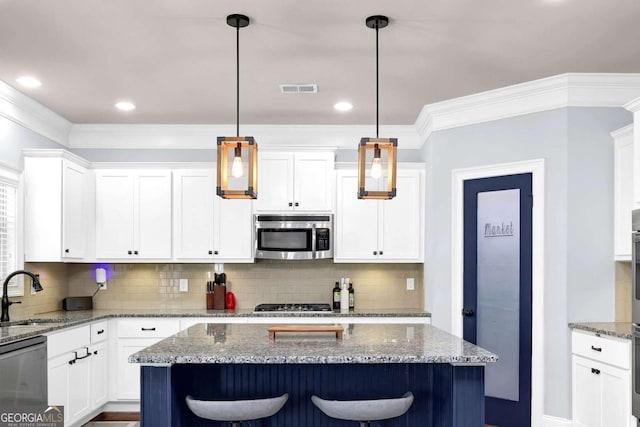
x,y
467,312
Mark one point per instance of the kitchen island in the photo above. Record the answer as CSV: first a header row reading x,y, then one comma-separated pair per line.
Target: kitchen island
x,y
239,361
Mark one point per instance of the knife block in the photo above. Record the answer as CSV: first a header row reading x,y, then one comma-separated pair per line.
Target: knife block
x,y
219,293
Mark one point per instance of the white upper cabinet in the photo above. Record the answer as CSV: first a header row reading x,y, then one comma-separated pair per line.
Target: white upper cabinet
x,y
623,191
56,206
207,227
380,230
133,214
193,192
300,182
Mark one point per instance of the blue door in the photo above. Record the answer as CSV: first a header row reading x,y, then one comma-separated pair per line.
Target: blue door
x,y
497,290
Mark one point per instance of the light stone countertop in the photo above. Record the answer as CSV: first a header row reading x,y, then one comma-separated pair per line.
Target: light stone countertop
x,y
362,343
57,320
613,329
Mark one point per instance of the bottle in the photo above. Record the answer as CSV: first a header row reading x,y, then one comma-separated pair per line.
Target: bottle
x,y
344,299
336,296
352,297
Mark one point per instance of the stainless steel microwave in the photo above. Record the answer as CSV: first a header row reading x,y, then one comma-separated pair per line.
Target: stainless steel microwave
x,y
293,237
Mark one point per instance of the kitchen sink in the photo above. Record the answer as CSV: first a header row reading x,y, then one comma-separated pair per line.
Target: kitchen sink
x,y
30,323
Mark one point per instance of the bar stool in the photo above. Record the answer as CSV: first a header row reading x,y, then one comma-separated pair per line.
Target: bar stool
x,y
236,411
364,411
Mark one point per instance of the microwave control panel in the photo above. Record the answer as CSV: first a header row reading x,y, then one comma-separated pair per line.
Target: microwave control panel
x,y
322,239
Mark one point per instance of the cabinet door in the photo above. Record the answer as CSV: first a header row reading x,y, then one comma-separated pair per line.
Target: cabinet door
x,y
356,222
616,398
275,182
57,382
314,182
114,213
233,237
43,212
152,212
194,193
400,237
623,195
587,391
99,369
128,384
74,210
79,382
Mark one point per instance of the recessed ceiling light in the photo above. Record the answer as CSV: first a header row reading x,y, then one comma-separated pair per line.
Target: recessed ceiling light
x,y
125,106
343,106
29,82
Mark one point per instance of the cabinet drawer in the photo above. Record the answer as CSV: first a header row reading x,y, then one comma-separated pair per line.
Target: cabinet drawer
x,y
148,328
611,350
98,332
67,340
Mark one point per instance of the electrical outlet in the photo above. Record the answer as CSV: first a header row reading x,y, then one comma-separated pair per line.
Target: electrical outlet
x,y
411,284
103,286
184,285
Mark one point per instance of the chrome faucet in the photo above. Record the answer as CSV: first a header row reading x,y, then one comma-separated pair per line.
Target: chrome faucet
x,y
5,298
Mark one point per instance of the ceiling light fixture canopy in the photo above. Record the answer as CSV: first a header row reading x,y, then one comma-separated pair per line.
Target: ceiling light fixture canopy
x,y
237,143
377,144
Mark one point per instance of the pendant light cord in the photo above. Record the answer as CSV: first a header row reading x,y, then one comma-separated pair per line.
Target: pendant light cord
x,y
377,87
238,77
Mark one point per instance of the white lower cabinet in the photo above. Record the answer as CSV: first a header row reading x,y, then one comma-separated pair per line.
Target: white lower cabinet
x,y
135,335
601,385
77,371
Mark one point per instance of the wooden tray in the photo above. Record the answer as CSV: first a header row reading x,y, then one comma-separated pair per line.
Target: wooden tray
x,y
305,328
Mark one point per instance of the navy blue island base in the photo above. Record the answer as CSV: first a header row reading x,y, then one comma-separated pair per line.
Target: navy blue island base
x,y
446,395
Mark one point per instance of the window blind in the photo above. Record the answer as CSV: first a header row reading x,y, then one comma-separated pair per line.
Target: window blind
x,y
8,249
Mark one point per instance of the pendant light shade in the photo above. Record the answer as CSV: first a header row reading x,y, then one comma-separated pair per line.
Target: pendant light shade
x,y
237,144
383,190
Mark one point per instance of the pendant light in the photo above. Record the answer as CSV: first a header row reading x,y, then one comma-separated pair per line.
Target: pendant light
x,y
377,144
237,143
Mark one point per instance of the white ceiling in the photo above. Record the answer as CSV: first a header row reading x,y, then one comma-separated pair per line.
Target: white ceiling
x,y
176,59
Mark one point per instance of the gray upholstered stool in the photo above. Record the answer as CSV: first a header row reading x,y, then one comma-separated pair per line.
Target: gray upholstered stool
x,y
236,411
364,411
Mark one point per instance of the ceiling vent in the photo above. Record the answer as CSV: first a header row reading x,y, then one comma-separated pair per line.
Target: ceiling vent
x,y
306,88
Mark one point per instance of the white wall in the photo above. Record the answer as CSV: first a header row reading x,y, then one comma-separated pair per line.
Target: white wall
x,y
579,276
14,137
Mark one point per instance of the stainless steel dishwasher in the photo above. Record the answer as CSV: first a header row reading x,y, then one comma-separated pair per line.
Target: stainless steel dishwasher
x,y
23,372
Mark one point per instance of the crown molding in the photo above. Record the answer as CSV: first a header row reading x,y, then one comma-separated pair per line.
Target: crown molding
x,y
633,106
56,153
564,90
19,108
622,132
332,137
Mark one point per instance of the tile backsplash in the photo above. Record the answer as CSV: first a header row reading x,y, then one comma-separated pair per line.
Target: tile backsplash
x,y
132,286
623,291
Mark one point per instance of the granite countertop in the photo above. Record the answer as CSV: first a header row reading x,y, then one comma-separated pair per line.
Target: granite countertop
x,y
613,329
49,322
362,343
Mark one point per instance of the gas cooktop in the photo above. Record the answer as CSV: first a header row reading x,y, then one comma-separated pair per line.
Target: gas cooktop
x,y
293,307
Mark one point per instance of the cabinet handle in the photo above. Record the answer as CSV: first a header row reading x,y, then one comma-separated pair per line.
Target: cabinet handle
x,y
596,348
148,329
95,352
101,331
76,358
210,252
135,252
375,252
215,252
297,204
129,252
595,371
66,251
381,252
290,204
